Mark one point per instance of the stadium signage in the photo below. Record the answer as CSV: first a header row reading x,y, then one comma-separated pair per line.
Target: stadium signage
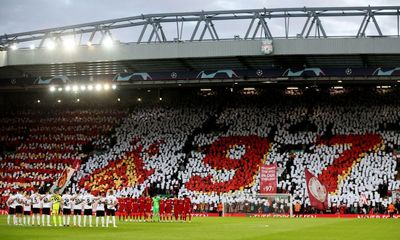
x,y
279,74
268,179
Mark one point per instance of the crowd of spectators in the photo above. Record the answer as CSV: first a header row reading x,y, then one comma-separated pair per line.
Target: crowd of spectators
x,y
213,154
49,141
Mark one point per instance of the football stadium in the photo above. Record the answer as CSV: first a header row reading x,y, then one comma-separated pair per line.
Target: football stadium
x,y
256,123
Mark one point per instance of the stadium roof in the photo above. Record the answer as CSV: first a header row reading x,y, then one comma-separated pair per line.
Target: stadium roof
x,y
154,49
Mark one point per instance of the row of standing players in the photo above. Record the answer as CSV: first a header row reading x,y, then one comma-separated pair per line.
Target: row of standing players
x,y
163,209
24,207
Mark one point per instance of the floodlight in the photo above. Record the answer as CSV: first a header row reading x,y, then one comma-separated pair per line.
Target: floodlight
x,y
14,46
51,45
69,44
98,87
107,41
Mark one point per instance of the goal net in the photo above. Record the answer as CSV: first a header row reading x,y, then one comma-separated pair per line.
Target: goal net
x,y
260,205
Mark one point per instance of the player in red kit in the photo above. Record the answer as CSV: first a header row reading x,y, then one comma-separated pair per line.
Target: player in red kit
x,y
187,209
142,208
176,209
181,209
128,209
135,209
149,203
168,209
122,208
162,210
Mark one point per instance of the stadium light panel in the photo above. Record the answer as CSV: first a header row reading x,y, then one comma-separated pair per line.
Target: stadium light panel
x,y
69,44
114,86
32,47
77,100
107,41
90,87
106,87
38,101
59,100
14,46
89,43
268,81
51,45
60,89
119,99
75,88
383,87
160,98
292,88
52,89
340,81
83,87
98,87
68,88
139,99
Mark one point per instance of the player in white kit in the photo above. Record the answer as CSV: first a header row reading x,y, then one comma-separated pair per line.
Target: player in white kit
x,y
100,208
27,209
11,209
36,206
112,202
88,201
19,209
66,208
77,202
46,203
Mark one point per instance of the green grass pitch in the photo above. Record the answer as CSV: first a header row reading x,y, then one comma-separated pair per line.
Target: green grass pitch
x,y
218,228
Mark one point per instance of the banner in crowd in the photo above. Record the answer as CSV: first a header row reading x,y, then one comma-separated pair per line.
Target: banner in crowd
x,y
63,181
268,179
317,192
364,199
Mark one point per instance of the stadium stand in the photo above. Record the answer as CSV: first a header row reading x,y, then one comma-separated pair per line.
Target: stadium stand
x,y
212,152
153,136
49,141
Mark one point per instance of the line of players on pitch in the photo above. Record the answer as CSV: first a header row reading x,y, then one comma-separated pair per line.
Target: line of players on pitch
x,y
155,209
25,208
